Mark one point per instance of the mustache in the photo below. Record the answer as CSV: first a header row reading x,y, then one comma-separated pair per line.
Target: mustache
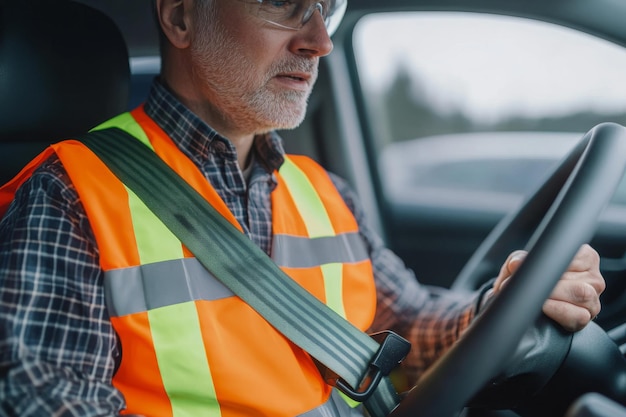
x,y
309,66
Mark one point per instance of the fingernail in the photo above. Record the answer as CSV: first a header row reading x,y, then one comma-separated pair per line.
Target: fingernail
x,y
518,257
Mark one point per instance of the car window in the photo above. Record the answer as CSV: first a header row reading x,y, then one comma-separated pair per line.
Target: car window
x,y
467,101
478,174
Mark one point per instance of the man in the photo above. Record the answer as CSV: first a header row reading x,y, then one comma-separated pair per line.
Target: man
x,y
74,255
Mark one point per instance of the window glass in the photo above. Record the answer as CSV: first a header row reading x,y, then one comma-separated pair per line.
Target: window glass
x,y
471,101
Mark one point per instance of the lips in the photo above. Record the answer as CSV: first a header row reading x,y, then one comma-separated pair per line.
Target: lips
x,y
296,76
295,70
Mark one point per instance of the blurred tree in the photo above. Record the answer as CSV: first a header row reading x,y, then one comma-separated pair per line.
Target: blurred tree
x,y
405,111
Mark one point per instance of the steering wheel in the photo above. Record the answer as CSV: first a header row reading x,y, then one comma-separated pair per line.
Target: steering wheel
x,y
563,214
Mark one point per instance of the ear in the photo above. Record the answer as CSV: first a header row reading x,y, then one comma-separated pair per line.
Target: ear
x,y
174,18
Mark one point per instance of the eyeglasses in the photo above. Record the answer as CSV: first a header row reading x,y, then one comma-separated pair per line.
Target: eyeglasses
x,y
293,14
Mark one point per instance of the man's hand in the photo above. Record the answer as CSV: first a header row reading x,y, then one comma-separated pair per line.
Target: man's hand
x,y
575,300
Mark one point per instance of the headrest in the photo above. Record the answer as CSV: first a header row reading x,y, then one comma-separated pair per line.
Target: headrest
x,y
63,69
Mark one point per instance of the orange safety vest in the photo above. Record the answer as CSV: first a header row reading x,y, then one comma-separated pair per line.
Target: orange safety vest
x,y
190,347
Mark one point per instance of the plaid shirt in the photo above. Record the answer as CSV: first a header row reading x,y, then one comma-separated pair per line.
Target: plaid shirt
x,y
58,350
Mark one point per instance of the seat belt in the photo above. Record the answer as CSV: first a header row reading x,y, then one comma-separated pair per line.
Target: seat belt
x,y
359,364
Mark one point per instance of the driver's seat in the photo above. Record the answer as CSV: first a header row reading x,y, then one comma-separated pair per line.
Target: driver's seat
x,y
59,75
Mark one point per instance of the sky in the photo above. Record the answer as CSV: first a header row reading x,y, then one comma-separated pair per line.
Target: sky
x,y
494,66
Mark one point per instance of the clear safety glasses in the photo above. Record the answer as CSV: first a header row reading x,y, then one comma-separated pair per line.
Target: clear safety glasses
x,y
293,14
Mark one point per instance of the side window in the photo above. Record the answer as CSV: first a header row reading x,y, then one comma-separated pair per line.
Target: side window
x,y
481,105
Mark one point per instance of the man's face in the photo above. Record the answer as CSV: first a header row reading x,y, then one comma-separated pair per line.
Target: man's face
x,y
256,76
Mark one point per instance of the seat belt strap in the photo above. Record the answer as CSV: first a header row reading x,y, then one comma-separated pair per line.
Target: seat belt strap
x,y
247,271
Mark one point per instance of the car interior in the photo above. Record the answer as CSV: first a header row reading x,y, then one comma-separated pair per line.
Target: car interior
x,y
66,66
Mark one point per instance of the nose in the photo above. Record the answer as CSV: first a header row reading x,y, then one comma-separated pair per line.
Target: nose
x,y
313,39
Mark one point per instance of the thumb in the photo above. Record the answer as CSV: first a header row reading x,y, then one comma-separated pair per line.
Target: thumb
x,y
509,267
515,261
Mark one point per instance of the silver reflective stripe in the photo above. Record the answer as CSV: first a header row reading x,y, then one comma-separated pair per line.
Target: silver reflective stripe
x,y
146,287
304,252
334,407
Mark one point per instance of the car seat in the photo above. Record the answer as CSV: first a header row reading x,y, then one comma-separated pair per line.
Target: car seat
x,y
63,70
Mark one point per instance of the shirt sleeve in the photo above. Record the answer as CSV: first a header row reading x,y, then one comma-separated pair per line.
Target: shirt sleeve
x,y
431,318
57,346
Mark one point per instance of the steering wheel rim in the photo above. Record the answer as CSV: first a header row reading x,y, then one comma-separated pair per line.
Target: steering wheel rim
x,y
514,231
586,180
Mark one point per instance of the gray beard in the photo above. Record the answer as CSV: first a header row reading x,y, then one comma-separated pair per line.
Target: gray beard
x,y
244,101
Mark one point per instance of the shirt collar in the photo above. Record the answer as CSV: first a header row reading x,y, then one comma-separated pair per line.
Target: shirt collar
x,y
196,138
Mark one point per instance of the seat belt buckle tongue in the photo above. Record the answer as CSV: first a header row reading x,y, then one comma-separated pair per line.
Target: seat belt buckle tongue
x,y
393,349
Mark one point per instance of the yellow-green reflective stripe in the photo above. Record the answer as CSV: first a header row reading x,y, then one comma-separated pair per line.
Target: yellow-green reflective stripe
x,y
351,403
333,281
126,122
155,242
186,375
334,407
318,225
307,201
